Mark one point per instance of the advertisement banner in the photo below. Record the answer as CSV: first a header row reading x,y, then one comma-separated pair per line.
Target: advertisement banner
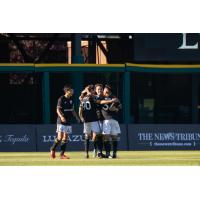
x,y
164,137
17,138
46,134
28,138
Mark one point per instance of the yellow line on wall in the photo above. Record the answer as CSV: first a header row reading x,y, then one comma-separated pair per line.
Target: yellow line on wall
x,y
16,64
175,66
171,66
79,65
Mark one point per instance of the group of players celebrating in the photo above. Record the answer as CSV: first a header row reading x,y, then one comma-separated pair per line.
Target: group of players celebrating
x,y
98,111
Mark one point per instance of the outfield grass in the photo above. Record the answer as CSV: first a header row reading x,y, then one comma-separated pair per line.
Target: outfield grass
x,y
126,158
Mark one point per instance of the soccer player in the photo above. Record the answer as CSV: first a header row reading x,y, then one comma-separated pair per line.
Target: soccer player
x,y
111,127
88,115
65,111
98,139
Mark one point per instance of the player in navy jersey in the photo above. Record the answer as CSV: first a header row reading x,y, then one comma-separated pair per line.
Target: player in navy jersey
x,y
65,111
111,128
98,139
88,115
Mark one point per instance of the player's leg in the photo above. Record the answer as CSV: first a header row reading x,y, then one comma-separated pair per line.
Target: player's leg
x,y
94,140
87,144
106,135
114,145
100,140
115,131
63,146
96,137
107,145
66,131
57,141
87,133
100,145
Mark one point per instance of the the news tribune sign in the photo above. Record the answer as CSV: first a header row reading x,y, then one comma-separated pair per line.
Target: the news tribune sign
x,y
164,137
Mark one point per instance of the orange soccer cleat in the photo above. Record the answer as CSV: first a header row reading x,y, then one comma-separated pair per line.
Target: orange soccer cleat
x,y
64,157
53,154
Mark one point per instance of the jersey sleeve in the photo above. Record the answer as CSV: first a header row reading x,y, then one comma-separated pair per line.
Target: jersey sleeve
x,y
118,105
94,99
113,97
59,104
115,105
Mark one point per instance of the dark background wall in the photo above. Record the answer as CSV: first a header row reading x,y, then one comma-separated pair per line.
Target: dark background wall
x,y
165,48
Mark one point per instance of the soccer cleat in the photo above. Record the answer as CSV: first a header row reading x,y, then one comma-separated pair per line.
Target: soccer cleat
x,y
53,154
108,156
101,155
114,155
64,157
86,156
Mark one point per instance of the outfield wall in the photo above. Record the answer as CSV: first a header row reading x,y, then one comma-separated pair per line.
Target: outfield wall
x,y
31,138
133,137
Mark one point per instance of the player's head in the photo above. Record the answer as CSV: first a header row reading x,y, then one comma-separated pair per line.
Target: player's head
x,y
107,90
90,89
99,89
68,90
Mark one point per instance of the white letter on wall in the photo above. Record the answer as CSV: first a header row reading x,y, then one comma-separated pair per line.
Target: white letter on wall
x,y
185,46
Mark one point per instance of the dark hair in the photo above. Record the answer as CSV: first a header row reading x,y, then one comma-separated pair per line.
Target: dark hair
x,y
90,87
67,88
108,87
98,85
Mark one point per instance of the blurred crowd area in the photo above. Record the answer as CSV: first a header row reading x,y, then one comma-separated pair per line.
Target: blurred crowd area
x,y
21,79
33,48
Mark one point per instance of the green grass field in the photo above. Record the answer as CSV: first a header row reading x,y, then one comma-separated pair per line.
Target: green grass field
x,y
126,158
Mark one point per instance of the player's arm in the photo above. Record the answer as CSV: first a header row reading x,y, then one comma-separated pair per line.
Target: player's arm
x,y
83,93
59,111
60,114
119,106
75,115
107,101
80,112
115,107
